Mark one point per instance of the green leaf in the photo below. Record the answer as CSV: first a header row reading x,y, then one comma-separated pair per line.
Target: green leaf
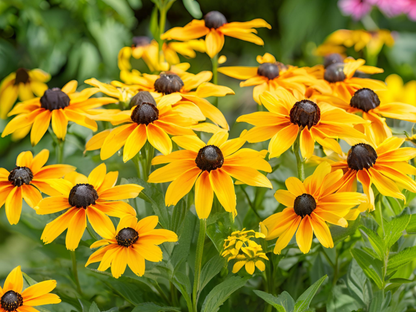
x,y
30,281
211,268
151,307
394,229
154,24
358,285
371,266
375,241
193,8
181,251
219,227
339,233
402,258
411,227
377,302
220,293
303,302
283,303
94,308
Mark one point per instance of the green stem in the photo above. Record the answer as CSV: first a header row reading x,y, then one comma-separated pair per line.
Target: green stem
x,y
250,203
91,232
161,292
214,62
60,154
75,271
198,262
174,295
299,159
162,23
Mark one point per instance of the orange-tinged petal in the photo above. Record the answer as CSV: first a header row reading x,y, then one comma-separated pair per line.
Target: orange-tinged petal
x,y
193,30
14,281
149,252
223,186
108,182
52,204
172,171
214,41
242,34
117,209
189,142
43,300
101,223
97,176
147,224
115,140
218,138
40,126
204,196
39,161
321,231
76,228
181,186
283,140
121,192
54,228
159,139
134,142
135,261
24,159
97,141
59,123
285,238
248,176
31,195
385,186
38,290
304,235
331,217
307,144
178,155
14,205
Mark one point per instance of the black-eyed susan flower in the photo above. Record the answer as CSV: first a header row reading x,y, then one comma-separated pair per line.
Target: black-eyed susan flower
x,y
373,107
310,206
397,91
214,27
210,167
183,87
27,181
146,121
241,248
56,107
270,75
94,197
131,244
385,165
14,299
289,116
23,84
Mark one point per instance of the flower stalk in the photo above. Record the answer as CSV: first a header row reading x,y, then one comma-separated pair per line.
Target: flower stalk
x,y
198,262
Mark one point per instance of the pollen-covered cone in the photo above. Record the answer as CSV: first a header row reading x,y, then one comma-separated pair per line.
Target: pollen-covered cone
x,y
288,115
27,181
95,198
55,107
271,75
210,167
131,244
310,206
14,298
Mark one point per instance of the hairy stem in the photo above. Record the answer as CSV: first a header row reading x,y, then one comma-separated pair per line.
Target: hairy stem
x,y
299,160
214,62
75,271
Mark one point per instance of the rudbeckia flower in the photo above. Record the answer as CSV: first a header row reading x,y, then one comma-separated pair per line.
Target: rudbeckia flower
x,y
214,26
385,165
94,197
397,91
177,89
373,108
310,206
210,167
122,92
15,299
131,244
56,107
270,75
27,181
146,121
289,116
22,84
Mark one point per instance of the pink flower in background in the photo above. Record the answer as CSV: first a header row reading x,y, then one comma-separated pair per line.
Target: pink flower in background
x,y
409,7
389,7
356,8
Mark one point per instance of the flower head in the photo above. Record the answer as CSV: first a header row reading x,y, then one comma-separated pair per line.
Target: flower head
x,y
27,181
214,26
310,206
95,197
131,244
356,8
22,84
210,167
56,107
14,299
397,91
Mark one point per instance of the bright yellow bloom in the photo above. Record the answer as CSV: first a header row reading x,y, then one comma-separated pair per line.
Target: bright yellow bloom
x,y
214,26
22,84
27,181
289,116
210,167
56,107
397,91
270,75
121,92
310,206
94,197
240,247
132,244
14,298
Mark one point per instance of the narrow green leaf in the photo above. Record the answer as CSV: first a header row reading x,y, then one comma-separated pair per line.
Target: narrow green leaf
x,y
270,299
339,233
358,284
394,229
375,241
377,302
30,281
193,8
371,266
151,307
210,269
303,302
404,257
411,227
94,308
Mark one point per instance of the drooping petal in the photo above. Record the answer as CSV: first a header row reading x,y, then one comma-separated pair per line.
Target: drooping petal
x,y
134,142
14,205
101,223
159,139
76,228
119,192
181,186
223,186
283,140
204,196
304,235
214,41
285,238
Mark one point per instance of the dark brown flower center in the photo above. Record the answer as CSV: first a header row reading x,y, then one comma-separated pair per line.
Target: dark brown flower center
x,y
168,83
22,76
11,300
365,99
142,97
214,19
335,72
127,237
268,70
145,113
332,59
209,158
361,156
305,113
140,41
304,205
82,195
54,99
20,175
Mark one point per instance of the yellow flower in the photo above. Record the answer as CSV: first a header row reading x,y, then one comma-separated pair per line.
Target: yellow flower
x,y
271,75
132,244
214,26
94,197
22,84
289,116
56,107
121,92
26,181
210,167
234,242
14,298
310,206
399,92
